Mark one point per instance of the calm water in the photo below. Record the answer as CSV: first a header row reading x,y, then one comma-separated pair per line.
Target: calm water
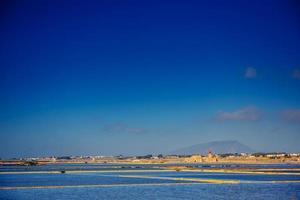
x,y
113,185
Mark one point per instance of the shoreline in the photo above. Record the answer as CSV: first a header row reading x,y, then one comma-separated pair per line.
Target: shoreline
x,y
38,163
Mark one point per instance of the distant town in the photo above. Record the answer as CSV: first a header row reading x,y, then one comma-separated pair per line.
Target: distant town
x,y
210,157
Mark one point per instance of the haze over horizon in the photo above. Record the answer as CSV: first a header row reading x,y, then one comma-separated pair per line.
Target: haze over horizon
x,y
134,77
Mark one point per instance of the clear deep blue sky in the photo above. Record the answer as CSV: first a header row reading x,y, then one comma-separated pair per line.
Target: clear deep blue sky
x,y
137,77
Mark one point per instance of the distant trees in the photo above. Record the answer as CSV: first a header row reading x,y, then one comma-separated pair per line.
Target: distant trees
x,y
224,155
64,158
145,157
29,163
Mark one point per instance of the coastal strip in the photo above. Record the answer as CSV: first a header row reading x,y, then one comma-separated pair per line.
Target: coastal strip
x,y
241,171
197,180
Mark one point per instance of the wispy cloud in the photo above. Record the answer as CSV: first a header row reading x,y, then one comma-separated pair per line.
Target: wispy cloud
x,y
123,128
250,73
249,113
291,115
296,74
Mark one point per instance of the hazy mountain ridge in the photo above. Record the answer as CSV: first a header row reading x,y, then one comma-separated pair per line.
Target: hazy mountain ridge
x,y
218,147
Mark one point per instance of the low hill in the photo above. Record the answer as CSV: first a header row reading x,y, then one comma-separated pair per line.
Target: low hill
x,y
218,147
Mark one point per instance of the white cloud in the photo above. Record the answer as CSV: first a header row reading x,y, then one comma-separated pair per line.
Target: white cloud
x,y
250,73
250,113
122,128
291,115
296,74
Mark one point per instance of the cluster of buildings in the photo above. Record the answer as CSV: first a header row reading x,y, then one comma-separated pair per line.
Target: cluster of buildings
x,y
199,158
246,158
210,157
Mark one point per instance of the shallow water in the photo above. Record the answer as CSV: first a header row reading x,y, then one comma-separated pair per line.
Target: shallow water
x,y
54,167
113,185
203,191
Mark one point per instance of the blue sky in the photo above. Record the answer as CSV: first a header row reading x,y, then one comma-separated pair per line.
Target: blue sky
x,y
136,77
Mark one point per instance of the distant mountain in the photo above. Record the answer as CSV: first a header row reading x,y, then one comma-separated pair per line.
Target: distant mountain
x,y
218,147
